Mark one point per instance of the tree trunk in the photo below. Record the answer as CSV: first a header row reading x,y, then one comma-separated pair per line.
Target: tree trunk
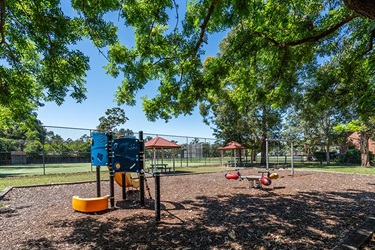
x,y
364,148
264,137
253,155
365,8
328,156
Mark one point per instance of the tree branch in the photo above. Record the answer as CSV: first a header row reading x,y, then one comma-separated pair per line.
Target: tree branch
x,y
370,44
2,20
204,25
322,34
309,39
369,48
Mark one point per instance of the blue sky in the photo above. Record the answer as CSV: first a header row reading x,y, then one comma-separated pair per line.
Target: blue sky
x,y
100,97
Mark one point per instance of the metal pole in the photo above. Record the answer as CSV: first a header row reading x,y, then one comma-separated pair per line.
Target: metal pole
x,y
292,159
98,181
157,196
205,158
123,183
267,160
44,161
187,152
112,188
141,171
111,172
90,157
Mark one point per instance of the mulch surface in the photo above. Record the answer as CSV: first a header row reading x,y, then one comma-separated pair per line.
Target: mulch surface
x,y
310,210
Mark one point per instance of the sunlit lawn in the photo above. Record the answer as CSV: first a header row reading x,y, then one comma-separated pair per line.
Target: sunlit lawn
x,y
25,180
339,168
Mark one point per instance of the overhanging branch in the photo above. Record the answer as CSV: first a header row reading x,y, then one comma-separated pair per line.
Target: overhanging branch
x,y
2,20
204,25
323,34
309,39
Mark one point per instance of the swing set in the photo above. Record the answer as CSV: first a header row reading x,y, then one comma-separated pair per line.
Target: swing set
x,y
277,164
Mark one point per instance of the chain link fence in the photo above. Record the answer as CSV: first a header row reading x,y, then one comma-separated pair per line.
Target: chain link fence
x,y
67,149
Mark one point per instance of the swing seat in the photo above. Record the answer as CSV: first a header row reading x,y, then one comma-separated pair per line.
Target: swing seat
x,y
280,166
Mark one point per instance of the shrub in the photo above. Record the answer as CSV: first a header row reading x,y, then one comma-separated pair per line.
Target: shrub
x,y
352,156
322,156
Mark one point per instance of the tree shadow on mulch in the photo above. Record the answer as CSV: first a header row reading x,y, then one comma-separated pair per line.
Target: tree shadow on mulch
x,y
306,220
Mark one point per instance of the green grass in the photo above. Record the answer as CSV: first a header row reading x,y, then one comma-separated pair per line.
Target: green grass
x,y
339,168
38,169
48,179
61,168
25,180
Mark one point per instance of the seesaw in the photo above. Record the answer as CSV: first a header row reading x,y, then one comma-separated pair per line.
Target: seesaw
x,y
90,205
258,181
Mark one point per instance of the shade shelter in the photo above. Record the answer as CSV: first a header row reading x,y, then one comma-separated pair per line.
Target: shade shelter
x,y
233,146
161,144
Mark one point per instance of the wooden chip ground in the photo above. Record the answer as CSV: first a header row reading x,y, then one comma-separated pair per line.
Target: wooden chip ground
x,y
310,210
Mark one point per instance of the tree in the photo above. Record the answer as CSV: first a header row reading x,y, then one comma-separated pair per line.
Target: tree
x,y
42,64
27,135
128,133
40,61
365,130
290,31
252,91
114,117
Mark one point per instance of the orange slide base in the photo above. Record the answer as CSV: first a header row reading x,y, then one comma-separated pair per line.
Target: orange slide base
x,y
89,205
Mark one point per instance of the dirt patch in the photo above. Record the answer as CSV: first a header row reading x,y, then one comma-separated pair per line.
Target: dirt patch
x,y
310,210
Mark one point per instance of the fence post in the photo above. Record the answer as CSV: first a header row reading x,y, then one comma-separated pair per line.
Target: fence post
x,y
44,163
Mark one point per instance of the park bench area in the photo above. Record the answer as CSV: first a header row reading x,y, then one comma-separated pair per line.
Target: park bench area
x,y
160,167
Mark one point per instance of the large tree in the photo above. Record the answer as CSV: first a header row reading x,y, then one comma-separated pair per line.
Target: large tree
x,y
294,32
112,119
41,62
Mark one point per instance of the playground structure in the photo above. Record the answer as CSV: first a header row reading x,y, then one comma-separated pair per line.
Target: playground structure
x,y
257,181
123,157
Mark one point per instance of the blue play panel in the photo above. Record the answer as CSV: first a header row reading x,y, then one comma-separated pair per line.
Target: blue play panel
x,y
99,154
125,153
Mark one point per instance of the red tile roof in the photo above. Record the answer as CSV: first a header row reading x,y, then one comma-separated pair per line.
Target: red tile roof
x,y
232,145
159,142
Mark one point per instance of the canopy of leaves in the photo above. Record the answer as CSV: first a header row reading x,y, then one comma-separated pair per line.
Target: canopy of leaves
x,y
39,60
113,118
275,43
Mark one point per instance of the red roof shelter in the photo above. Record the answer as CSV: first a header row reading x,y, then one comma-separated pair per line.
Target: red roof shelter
x,y
233,146
161,143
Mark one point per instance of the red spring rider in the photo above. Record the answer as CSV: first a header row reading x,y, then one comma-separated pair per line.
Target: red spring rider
x,y
234,176
265,181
